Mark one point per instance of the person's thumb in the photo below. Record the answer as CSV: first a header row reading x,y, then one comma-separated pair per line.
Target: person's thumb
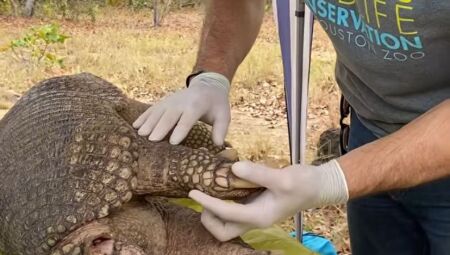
x,y
255,173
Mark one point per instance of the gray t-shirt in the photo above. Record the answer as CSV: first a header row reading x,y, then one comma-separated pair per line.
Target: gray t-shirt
x,y
393,57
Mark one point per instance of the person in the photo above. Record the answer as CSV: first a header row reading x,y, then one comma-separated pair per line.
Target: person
x,y
392,67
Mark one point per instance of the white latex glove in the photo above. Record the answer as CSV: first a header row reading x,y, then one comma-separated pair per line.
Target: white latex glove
x,y
289,190
206,99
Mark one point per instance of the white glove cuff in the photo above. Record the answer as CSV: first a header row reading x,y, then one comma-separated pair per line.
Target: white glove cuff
x,y
212,79
334,186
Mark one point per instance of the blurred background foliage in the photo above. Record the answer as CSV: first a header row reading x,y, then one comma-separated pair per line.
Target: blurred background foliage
x,y
76,9
37,45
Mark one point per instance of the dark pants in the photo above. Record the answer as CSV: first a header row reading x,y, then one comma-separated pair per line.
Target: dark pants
x,y
407,222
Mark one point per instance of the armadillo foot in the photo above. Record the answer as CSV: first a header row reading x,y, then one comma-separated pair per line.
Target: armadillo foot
x,y
173,170
211,174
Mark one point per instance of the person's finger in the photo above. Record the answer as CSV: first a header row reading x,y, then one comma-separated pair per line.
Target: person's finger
x,y
141,119
220,128
150,122
256,173
222,231
225,210
185,124
165,124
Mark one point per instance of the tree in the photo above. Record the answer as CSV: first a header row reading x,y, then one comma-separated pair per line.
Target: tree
x,y
160,9
29,8
156,20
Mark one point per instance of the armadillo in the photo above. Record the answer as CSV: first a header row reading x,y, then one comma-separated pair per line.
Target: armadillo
x,y
77,179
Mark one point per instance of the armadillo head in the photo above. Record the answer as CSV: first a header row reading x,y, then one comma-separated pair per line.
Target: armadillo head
x,y
145,226
97,238
133,229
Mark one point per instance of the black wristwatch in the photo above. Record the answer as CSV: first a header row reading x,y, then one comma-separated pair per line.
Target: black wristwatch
x,y
192,75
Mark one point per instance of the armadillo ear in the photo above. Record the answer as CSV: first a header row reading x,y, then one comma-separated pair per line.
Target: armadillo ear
x,y
100,246
108,246
88,240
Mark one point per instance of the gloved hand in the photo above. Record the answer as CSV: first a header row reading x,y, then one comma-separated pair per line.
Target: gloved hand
x,y
289,190
206,99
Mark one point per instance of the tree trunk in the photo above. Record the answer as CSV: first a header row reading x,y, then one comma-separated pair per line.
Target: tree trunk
x,y
29,8
156,13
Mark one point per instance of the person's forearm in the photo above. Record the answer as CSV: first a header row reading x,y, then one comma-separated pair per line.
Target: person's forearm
x,y
416,154
229,31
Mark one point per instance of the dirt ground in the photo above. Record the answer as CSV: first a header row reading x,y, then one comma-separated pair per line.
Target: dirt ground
x,y
149,63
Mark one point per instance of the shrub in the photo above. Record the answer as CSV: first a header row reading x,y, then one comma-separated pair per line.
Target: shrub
x,y
39,45
7,7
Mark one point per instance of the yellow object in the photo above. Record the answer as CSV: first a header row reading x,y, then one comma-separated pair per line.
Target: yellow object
x,y
274,238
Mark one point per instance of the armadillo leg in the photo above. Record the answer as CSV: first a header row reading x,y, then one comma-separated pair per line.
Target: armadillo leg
x,y
168,170
128,163
132,109
200,137
132,162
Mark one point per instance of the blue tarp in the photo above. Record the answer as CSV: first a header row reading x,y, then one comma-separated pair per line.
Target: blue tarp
x,y
317,243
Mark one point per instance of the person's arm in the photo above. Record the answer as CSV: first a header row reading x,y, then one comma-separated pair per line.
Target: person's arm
x,y
417,153
229,31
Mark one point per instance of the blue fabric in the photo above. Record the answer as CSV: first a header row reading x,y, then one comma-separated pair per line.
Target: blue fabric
x,y
317,243
406,222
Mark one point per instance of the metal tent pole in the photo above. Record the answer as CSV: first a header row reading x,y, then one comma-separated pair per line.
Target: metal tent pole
x,y
294,22
299,92
296,101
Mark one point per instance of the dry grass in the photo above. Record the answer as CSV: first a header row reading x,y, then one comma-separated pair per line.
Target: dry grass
x,y
4,105
148,63
7,100
129,52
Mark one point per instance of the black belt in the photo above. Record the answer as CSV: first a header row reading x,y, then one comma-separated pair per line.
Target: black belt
x,y
345,110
